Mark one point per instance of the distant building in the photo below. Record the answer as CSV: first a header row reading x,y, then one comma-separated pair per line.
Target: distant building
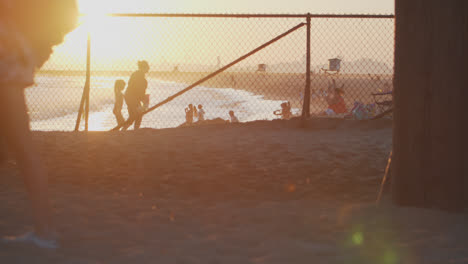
x,y
334,64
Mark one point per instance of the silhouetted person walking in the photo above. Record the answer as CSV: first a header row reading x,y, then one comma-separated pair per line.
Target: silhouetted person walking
x,y
28,31
135,95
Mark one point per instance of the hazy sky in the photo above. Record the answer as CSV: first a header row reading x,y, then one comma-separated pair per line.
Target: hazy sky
x,y
230,6
118,42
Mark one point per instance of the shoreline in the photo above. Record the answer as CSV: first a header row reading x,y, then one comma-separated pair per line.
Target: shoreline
x,y
271,86
218,102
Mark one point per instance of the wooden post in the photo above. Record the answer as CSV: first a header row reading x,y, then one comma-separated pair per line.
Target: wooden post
x,y
80,111
429,145
306,104
88,81
84,104
384,186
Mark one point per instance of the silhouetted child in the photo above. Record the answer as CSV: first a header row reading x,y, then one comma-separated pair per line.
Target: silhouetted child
x,y
201,113
285,111
189,114
234,118
119,86
195,111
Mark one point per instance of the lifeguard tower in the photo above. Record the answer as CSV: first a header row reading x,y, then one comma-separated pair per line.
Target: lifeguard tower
x,y
262,68
334,66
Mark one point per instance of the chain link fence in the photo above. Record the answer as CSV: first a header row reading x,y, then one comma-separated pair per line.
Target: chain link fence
x,y
351,60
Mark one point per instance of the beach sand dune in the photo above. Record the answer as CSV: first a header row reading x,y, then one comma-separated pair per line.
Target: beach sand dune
x,y
261,192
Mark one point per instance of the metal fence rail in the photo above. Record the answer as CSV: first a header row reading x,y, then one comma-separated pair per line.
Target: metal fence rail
x,y
326,65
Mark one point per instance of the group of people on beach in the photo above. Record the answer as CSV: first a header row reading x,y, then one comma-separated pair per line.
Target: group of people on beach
x,y
335,100
333,96
138,101
191,112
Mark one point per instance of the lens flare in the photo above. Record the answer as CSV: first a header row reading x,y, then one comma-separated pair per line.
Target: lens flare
x,y
358,238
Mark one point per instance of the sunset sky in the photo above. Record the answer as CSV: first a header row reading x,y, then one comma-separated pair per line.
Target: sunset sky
x,y
261,6
118,42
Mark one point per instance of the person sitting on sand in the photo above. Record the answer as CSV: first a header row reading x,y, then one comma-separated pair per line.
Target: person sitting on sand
x,y
336,102
233,117
285,111
135,95
189,114
201,113
119,86
28,32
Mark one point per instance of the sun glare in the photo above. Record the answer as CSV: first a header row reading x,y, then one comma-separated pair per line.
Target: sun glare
x,y
94,23
94,14
93,7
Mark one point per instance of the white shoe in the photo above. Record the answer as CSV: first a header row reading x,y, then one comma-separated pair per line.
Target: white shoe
x,y
31,237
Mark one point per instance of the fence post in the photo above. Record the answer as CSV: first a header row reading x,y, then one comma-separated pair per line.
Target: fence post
x,y
88,80
84,104
306,103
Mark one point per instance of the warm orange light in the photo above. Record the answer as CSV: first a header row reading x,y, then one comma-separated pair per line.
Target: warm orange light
x,y
91,7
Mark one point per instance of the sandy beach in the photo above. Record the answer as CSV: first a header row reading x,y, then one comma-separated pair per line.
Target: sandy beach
x,y
269,85
261,192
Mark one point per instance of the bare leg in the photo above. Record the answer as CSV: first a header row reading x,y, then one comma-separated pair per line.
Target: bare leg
x,y
138,120
130,120
17,134
131,108
119,118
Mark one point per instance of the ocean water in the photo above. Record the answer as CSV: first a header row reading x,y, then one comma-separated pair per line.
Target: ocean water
x,y
54,101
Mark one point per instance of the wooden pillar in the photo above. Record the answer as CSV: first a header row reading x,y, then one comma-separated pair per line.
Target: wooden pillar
x,y
84,104
88,81
431,114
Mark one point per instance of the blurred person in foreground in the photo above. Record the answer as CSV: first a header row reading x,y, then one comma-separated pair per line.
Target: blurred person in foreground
x,y
29,29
